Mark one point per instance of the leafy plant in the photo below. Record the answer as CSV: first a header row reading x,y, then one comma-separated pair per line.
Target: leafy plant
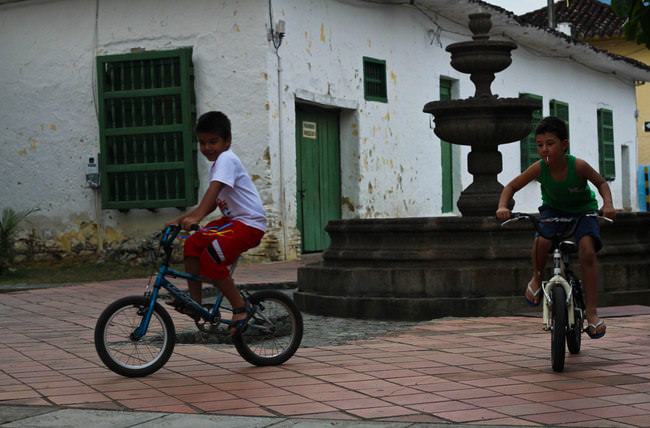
x,y
637,26
8,228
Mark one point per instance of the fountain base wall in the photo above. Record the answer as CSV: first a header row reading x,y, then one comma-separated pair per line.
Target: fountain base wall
x,y
424,268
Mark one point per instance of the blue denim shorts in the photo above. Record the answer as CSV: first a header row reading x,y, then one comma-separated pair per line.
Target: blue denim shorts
x,y
587,226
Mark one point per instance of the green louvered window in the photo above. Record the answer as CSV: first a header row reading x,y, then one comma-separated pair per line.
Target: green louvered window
x,y
606,144
146,124
561,109
374,80
528,146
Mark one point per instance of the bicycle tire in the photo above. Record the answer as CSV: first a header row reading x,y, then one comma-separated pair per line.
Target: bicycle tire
x,y
274,333
558,329
574,334
122,354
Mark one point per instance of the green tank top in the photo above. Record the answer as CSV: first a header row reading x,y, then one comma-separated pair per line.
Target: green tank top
x,y
572,194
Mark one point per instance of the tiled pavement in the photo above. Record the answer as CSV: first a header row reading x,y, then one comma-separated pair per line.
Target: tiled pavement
x,y
478,371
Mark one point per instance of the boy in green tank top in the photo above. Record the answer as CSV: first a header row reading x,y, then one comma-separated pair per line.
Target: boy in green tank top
x,y
565,192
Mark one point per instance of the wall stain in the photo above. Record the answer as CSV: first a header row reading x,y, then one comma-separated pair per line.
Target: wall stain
x,y
347,202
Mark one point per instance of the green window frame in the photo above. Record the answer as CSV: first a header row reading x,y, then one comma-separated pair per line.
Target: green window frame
x,y
528,146
561,109
606,158
374,80
146,129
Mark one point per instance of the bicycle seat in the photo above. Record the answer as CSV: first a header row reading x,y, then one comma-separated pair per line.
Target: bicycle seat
x,y
568,247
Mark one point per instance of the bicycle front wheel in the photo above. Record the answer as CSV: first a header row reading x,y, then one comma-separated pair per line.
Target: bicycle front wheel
x,y
117,345
574,334
275,331
558,329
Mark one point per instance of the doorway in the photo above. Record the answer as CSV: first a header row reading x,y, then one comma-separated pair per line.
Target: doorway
x,y
318,167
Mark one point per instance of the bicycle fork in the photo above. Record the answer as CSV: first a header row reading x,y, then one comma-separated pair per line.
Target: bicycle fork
x,y
139,332
557,281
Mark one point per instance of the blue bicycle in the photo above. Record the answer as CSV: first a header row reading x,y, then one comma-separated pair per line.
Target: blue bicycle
x,y
135,335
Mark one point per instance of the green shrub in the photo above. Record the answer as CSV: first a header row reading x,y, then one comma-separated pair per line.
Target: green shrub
x,y
8,228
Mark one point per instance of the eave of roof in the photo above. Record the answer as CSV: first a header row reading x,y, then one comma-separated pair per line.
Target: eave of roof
x,y
544,41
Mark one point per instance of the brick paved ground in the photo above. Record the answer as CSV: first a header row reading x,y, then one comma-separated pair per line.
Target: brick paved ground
x,y
487,371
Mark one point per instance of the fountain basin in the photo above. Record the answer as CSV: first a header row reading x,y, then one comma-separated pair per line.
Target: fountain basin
x,y
487,56
424,268
483,120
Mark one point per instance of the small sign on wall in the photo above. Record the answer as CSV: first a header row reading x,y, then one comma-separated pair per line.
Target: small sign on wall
x,y
309,130
646,126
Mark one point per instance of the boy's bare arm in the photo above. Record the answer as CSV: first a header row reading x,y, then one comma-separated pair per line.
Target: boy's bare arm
x,y
207,205
586,171
533,171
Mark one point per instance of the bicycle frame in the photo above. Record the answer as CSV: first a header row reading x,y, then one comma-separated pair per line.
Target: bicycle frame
x,y
547,287
162,282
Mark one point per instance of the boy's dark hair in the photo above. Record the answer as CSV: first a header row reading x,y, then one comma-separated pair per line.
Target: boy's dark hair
x,y
553,125
214,122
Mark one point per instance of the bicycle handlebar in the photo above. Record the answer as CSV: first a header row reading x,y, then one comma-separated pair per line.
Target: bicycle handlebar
x,y
169,233
572,221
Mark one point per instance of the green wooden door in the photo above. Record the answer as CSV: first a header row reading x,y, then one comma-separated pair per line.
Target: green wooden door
x,y
446,158
319,174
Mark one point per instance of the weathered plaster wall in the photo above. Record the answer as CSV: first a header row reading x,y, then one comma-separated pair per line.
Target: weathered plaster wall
x,y
585,90
390,158
48,84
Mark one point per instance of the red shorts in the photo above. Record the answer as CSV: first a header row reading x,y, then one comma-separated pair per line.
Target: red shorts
x,y
219,247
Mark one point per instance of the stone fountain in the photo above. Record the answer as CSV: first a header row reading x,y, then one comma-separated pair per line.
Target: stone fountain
x,y
424,268
483,121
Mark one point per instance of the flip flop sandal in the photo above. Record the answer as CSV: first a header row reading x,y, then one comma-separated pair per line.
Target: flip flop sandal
x,y
241,325
534,293
595,327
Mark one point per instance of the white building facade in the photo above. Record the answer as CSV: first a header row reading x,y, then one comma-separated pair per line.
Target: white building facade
x,y
282,95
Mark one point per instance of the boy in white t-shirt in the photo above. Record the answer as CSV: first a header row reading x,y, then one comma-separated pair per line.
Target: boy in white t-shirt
x,y
241,227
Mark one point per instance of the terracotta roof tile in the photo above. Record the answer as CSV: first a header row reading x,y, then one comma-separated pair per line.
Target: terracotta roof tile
x,y
590,19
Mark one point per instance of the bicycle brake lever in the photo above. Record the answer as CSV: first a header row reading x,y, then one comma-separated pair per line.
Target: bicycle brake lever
x,y
510,220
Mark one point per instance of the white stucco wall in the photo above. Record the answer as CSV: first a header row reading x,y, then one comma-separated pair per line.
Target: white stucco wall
x,y
48,88
396,155
390,157
585,90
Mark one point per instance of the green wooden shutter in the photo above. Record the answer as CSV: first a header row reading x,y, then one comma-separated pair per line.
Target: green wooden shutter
x,y
528,146
561,109
374,80
446,157
606,144
146,120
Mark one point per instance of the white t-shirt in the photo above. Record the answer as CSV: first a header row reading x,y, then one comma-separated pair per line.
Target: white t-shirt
x,y
238,199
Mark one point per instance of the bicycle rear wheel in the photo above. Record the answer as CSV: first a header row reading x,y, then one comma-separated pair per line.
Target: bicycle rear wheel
x,y
558,329
275,331
120,350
